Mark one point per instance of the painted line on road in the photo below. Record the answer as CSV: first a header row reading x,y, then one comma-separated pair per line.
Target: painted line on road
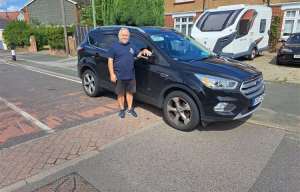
x,y
27,116
46,72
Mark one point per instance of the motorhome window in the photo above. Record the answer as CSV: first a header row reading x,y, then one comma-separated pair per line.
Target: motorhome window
x,y
246,23
216,21
233,17
262,27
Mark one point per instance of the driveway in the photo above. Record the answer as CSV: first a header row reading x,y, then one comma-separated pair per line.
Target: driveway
x,y
273,72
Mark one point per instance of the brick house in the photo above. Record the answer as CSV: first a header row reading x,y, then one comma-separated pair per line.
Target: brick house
x,y
181,14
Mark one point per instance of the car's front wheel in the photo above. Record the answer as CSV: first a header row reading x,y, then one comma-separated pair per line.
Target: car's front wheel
x,y
180,111
90,83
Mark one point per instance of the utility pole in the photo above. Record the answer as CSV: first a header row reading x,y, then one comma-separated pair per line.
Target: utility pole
x,y
65,26
94,14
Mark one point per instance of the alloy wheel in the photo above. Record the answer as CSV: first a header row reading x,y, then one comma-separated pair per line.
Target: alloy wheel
x,y
179,111
89,83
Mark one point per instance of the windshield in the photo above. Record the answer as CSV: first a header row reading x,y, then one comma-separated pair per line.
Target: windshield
x,y
293,39
180,47
217,21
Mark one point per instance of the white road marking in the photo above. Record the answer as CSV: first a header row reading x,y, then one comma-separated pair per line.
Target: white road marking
x,y
27,116
46,72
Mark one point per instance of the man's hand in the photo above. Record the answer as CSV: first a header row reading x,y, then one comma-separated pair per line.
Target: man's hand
x,y
144,54
113,78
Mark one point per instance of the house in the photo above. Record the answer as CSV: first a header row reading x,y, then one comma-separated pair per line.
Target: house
x,y
49,12
181,14
9,15
3,23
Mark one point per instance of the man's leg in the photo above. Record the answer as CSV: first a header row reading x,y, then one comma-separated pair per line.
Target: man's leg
x,y
120,91
121,100
129,99
130,90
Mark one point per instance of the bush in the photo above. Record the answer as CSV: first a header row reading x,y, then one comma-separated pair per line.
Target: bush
x,y
41,36
56,39
17,33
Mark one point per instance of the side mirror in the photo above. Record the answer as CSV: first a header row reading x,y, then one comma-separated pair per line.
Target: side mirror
x,y
282,40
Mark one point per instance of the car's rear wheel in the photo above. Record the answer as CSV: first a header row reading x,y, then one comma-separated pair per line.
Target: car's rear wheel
x,y
180,111
90,84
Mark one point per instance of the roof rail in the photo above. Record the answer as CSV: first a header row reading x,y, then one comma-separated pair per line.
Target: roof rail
x,y
125,26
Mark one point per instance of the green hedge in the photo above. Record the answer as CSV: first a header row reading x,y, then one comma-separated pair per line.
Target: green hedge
x,y
18,33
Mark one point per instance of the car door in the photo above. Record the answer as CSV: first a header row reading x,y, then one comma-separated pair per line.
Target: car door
x,y
100,42
151,75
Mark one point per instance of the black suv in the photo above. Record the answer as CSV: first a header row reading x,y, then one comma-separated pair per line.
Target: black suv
x,y
187,81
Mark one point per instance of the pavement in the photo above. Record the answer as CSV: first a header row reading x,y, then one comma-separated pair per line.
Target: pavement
x,y
54,138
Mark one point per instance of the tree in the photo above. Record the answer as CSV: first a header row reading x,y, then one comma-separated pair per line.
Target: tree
x,y
126,12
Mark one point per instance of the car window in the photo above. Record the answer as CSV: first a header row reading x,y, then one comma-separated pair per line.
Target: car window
x,y
95,38
100,40
293,39
262,27
138,43
108,40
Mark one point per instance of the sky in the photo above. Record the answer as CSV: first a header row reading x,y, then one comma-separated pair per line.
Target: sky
x,y
11,5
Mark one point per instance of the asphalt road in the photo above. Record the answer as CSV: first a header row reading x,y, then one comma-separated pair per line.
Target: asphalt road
x,y
234,156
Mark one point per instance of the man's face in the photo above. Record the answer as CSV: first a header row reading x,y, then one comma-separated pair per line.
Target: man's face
x,y
124,36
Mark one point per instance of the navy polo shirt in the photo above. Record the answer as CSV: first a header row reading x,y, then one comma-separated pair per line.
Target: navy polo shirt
x,y
123,56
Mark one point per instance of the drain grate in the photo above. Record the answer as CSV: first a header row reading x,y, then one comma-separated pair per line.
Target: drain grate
x,y
69,183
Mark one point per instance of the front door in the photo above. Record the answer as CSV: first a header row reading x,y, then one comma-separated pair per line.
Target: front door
x,y
151,76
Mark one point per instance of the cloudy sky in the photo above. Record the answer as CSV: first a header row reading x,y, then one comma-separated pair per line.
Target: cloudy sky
x,y
11,5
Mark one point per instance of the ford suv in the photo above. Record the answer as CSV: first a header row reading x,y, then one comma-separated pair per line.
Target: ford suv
x,y
188,82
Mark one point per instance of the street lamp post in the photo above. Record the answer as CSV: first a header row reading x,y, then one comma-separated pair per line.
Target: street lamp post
x,y
65,26
94,13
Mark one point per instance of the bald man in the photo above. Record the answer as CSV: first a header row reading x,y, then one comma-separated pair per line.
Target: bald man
x,y
121,70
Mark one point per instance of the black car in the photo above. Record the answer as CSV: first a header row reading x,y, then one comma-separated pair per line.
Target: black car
x,y
188,82
289,52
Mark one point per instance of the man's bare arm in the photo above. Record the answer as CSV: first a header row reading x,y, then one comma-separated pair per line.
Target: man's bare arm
x,y
112,74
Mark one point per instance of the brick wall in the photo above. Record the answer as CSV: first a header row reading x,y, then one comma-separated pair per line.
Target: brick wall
x,y
194,5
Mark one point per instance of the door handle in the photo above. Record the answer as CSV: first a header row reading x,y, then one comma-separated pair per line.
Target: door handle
x,y
163,75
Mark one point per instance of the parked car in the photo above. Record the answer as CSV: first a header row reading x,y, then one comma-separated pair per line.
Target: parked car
x,y
234,31
187,81
289,52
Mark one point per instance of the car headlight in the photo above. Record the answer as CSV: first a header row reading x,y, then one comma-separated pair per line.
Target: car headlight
x,y
286,50
217,82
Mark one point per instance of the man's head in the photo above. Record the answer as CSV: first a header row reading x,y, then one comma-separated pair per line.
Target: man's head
x,y
124,35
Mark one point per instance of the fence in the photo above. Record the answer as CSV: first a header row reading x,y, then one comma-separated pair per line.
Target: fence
x,y
81,32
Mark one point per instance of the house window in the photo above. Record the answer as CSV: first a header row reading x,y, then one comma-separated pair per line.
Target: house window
x,y
291,22
184,24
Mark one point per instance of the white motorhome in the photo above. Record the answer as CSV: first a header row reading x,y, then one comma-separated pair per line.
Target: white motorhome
x,y
234,31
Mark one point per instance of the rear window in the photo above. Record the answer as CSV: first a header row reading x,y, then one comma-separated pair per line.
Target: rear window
x,y
100,40
262,27
217,21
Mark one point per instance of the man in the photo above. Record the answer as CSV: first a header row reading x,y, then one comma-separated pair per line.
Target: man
x,y
121,70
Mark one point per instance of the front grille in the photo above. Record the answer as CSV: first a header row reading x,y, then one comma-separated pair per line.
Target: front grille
x,y
253,88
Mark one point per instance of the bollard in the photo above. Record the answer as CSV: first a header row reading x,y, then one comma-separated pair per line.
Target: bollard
x,y
13,55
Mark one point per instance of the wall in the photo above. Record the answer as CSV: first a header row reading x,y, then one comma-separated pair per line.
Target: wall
x,y
49,12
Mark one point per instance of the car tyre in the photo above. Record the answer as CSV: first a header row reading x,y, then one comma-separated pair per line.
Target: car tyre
x,y
90,83
180,111
253,54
